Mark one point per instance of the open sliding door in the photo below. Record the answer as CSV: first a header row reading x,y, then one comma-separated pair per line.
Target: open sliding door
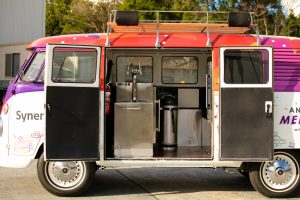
x,y
246,103
72,102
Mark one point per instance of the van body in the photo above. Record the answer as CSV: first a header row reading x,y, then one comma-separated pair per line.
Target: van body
x,y
224,99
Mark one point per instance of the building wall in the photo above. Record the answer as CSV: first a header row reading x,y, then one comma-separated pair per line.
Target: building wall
x,y
21,20
19,48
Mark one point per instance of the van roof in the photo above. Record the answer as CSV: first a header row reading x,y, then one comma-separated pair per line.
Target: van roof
x,y
147,40
89,39
126,30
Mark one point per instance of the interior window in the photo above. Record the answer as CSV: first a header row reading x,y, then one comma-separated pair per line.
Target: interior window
x,y
35,66
125,63
74,65
246,66
179,69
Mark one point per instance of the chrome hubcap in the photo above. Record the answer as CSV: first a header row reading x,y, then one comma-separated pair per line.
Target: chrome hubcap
x,y
65,174
280,174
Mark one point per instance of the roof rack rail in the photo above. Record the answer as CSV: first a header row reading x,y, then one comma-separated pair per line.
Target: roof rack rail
x,y
203,22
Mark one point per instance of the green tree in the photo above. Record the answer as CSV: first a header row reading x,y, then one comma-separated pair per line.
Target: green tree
x,y
292,25
87,17
190,5
267,14
81,18
149,5
171,5
55,12
77,16
276,20
264,10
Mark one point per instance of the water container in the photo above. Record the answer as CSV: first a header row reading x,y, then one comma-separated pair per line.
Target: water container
x,y
170,126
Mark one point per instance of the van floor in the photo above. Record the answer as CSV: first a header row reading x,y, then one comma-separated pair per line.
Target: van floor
x,y
185,152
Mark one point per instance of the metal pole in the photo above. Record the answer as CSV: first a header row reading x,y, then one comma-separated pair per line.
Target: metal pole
x,y
108,30
157,43
208,43
257,35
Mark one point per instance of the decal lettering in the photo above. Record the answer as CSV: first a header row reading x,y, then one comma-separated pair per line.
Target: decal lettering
x,y
285,120
291,119
28,116
295,110
294,120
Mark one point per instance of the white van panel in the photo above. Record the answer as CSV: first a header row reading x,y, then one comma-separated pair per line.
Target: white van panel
x,y
23,129
26,123
286,120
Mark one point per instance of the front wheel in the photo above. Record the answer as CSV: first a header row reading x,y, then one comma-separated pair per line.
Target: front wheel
x,y
68,178
278,178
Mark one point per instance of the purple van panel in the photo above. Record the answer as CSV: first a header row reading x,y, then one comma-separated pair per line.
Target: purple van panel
x,y
287,70
286,63
16,87
28,87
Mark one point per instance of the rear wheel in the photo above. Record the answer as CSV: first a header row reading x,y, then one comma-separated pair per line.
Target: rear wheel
x,y
278,178
69,178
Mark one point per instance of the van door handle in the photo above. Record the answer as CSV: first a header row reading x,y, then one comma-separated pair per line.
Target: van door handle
x,y
48,107
268,109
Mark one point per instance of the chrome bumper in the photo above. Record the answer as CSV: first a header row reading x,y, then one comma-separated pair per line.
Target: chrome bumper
x,y
1,127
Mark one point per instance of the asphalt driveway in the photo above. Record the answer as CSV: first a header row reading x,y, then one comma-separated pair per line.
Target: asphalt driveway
x,y
138,184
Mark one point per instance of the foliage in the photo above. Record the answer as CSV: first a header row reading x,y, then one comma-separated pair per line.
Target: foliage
x,y
76,16
83,16
292,26
55,12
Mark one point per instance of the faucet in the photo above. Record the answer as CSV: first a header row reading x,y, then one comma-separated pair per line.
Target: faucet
x,y
134,70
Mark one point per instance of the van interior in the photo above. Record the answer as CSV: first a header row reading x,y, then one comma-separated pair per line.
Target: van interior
x,y
160,104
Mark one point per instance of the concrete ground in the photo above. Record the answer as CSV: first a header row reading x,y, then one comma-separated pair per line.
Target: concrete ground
x,y
137,184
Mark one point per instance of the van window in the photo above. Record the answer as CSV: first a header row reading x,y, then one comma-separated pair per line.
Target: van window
x,y
124,64
74,65
246,66
40,79
34,68
179,69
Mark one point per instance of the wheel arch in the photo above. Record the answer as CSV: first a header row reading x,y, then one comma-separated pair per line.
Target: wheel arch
x,y
246,166
39,152
294,152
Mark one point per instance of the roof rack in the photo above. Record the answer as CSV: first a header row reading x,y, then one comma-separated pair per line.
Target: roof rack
x,y
204,22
